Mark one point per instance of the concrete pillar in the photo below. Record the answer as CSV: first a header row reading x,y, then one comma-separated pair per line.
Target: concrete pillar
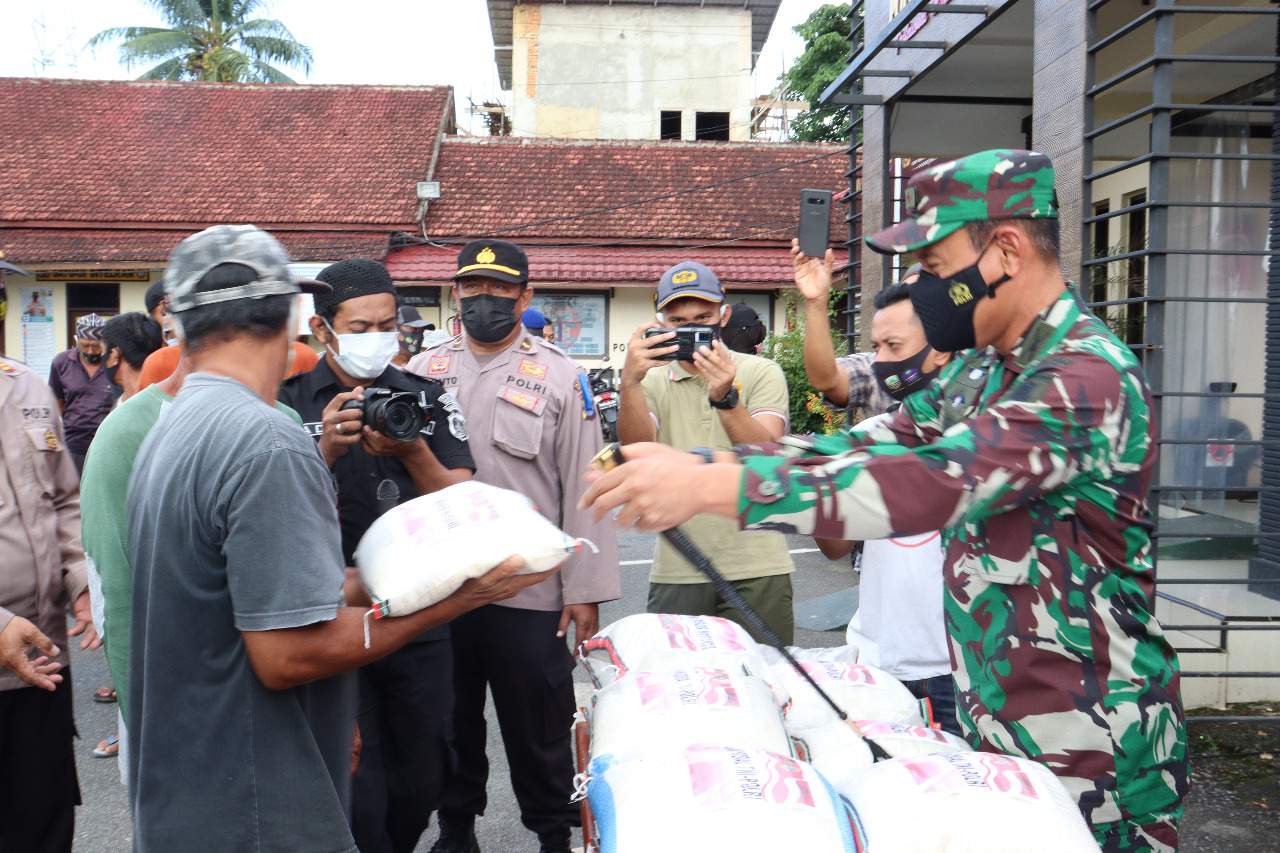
x,y
1057,124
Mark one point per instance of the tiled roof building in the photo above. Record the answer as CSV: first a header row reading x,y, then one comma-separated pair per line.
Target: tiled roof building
x,y
120,172
617,212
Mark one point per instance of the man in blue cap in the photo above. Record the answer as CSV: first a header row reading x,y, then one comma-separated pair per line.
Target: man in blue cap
x,y
716,400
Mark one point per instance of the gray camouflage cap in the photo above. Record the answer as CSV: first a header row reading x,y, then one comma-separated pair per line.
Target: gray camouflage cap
x,y
246,245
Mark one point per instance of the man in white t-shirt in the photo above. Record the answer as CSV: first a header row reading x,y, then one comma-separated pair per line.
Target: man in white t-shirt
x,y
899,624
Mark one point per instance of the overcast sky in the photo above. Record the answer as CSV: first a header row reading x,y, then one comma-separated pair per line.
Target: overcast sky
x,y
373,41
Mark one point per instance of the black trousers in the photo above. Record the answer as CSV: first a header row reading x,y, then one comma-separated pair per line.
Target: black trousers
x,y
517,654
39,789
405,719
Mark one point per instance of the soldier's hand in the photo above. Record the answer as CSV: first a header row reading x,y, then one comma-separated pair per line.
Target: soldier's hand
x,y
18,636
83,612
657,488
340,429
642,352
717,368
812,275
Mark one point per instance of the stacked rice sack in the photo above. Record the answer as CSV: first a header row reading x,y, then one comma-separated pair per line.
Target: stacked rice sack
x,y
688,747
701,739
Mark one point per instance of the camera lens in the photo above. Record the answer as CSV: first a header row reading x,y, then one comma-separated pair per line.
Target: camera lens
x,y
401,419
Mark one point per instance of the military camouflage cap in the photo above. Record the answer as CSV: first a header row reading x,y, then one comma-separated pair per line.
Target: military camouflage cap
x,y
246,245
999,184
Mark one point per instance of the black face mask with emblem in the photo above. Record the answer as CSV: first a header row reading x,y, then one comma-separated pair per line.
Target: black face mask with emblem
x,y
945,306
901,379
91,357
488,318
411,342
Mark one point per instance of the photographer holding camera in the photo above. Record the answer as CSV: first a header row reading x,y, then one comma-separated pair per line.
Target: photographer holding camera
x,y
387,436
683,387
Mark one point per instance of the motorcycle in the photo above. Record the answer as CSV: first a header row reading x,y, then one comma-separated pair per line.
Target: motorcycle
x,y
606,400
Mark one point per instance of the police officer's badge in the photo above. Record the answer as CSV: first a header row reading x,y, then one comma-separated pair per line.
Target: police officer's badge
x,y
51,439
457,423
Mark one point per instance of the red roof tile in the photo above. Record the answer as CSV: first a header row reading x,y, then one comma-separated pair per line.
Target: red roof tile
x,y
86,152
578,265
151,248
664,192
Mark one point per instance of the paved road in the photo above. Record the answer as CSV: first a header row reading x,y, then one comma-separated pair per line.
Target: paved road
x,y
102,823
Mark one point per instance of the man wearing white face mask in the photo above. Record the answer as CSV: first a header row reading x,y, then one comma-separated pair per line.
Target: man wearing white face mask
x,y
406,698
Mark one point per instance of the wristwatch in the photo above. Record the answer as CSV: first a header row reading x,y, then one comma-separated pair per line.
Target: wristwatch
x,y
730,400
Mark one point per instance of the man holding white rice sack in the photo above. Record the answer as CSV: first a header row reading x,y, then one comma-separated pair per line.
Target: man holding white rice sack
x,y
361,412
532,430
240,639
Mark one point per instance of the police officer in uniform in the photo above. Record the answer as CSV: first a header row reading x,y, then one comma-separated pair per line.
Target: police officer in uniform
x,y
42,571
532,432
405,698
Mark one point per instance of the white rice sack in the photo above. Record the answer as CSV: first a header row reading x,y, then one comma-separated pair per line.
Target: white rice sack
x,y
975,802
862,692
711,798
678,707
420,552
836,654
664,641
836,751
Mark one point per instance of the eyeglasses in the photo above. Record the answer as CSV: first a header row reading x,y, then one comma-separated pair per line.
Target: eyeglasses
x,y
477,286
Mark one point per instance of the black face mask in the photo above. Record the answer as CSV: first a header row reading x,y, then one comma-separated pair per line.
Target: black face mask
x,y
488,318
903,378
411,342
945,306
91,357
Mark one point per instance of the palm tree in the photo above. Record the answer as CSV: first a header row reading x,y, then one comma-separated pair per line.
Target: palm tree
x,y
213,40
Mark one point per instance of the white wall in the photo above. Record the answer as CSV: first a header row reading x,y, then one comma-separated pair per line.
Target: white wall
x,y
606,72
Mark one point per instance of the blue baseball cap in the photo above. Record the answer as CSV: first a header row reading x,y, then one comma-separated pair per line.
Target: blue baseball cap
x,y
689,278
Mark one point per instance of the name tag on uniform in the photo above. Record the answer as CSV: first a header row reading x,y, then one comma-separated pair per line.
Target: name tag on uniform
x,y
437,365
532,368
523,399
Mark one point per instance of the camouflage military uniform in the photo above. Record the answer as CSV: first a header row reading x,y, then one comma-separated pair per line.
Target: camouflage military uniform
x,y
1036,466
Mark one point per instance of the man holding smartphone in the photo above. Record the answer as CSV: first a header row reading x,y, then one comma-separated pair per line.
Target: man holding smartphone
x,y
711,400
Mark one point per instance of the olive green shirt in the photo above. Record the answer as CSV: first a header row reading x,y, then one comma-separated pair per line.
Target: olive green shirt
x,y
685,418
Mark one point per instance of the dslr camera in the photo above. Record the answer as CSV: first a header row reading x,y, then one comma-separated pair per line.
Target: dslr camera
x,y
688,339
397,414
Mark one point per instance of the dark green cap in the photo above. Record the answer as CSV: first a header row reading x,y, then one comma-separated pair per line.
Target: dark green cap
x,y
998,184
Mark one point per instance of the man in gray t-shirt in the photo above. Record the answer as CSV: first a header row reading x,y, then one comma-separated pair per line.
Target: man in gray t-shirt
x,y
241,707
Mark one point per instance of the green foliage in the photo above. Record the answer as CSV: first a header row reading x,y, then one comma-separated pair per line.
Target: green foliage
x,y
808,415
211,40
826,53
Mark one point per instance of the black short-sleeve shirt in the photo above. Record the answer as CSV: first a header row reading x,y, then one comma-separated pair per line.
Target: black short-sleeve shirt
x,y
358,474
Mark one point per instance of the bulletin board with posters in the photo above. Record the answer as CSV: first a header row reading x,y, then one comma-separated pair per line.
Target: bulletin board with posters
x,y
581,321
36,305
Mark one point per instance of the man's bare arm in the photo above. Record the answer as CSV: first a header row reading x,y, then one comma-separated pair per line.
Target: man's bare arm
x,y
813,279
288,657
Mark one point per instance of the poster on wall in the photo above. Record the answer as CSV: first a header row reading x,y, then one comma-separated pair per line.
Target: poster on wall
x,y
580,321
36,305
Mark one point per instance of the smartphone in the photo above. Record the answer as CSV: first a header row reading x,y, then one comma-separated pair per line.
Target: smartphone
x,y
688,339
815,222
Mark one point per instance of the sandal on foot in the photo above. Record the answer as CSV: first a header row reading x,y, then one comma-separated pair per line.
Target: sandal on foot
x,y
109,748
104,694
